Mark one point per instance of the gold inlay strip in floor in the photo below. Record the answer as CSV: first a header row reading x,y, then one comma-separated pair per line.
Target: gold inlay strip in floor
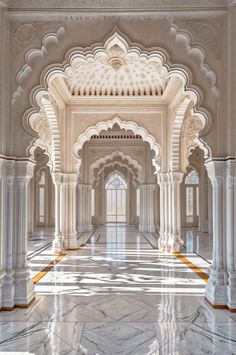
x,y
193,267
48,268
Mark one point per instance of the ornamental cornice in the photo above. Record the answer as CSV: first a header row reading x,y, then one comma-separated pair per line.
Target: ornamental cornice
x,y
114,5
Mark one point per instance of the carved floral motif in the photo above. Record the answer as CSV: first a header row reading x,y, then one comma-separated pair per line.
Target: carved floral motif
x,y
191,127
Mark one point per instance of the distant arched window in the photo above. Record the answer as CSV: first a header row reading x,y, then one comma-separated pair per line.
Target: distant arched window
x,y
192,198
42,197
116,187
192,178
116,182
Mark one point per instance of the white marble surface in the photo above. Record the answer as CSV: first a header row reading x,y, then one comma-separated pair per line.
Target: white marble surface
x,y
119,296
199,243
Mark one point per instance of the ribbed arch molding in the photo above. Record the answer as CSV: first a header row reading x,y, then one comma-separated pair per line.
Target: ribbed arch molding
x,y
113,157
53,141
127,125
116,166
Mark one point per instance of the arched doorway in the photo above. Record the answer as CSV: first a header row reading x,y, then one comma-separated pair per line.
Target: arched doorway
x,y
116,188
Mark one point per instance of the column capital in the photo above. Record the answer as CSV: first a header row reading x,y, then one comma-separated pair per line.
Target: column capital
x,y
176,177
230,174
70,178
1,166
162,178
216,172
24,169
147,186
57,178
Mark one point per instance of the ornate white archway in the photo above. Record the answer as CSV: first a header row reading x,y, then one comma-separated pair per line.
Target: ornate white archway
x,y
115,164
113,55
125,158
127,125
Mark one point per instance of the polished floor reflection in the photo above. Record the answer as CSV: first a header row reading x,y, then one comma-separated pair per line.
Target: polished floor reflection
x,y
119,295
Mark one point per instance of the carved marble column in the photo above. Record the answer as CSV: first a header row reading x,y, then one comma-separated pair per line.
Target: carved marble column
x,y
203,203
2,234
163,183
68,208
147,223
57,245
31,207
8,225
84,210
80,209
24,289
88,207
231,232
175,242
216,289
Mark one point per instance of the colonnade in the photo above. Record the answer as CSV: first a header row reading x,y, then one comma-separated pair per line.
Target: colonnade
x,y
16,287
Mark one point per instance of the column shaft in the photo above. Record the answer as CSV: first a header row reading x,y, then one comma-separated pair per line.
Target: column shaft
x,y
68,209
146,223
57,245
24,290
216,288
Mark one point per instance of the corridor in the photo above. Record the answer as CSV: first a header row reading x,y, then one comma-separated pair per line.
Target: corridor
x,y
118,295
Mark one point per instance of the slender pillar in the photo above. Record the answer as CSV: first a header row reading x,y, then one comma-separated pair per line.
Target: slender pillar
x,y
175,241
80,209
24,289
147,223
57,245
31,207
8,224
68,209
216,289
231,232
84,211
209,195
203,205
163,183
2,239
87,207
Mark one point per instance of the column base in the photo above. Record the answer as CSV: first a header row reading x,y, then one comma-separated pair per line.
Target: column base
x,y
88,228
216,291
57,244
231,290
24,288
162,245
8,290
70,241
2,276
175,243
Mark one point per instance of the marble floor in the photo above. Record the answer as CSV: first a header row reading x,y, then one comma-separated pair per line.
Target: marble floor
x,y
119,295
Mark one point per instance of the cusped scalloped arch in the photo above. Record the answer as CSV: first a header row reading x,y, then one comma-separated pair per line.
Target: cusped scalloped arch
x,y
135,176
127,125
115,154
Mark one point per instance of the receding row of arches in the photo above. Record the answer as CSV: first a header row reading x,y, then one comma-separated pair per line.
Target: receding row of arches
x,y
116,198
